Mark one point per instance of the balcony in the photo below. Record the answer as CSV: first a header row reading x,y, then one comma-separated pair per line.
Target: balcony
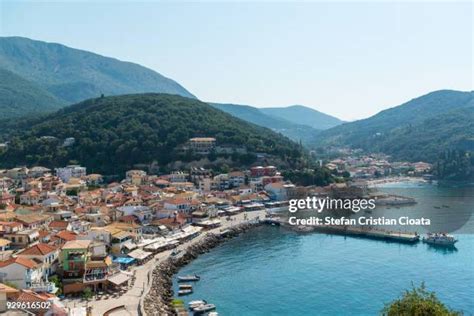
x,y
48,287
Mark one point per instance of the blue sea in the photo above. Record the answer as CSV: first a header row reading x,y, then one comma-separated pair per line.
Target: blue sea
x,y
273,271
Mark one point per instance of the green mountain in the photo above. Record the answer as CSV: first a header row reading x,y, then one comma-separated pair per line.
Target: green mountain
x,y
296,132
19,96
115,133
420,129
303,115
74,75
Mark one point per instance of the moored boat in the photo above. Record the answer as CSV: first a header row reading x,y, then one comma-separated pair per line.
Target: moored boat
x,y
193,304
185,292
185,287
440,239
189,278
204,308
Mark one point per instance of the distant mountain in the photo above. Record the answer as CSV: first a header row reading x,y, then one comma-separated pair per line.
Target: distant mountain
x,y
74,75
254,115
19,96
115,133
303,115
420,129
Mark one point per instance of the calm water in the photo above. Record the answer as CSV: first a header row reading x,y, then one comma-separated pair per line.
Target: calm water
x,y
272,271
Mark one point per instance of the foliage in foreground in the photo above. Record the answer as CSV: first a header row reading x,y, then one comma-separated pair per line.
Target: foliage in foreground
x,y
418,302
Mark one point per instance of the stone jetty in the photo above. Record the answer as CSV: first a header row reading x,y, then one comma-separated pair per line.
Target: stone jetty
x,y
159,297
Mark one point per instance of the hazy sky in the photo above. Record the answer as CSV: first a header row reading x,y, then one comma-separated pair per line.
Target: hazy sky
x,y
348,59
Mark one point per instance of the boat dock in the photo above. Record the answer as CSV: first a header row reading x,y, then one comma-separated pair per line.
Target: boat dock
x,y
371,233
357,231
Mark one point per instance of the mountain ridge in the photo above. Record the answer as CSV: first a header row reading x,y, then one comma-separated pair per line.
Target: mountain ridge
x,y
403,130
74,75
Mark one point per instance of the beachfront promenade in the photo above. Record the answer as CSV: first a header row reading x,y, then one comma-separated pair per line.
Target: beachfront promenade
x,y
128,303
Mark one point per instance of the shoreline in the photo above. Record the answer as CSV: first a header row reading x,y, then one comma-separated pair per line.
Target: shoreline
x,y
376,182
160,294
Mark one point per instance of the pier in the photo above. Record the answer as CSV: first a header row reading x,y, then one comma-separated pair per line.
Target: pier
x,y
356,231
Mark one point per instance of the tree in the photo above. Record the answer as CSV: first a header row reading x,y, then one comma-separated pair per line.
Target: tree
x,y
57,282
418,302
87,293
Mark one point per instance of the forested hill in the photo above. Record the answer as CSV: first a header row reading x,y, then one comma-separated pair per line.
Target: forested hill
x,y
114,133
420,129
73,75
19,96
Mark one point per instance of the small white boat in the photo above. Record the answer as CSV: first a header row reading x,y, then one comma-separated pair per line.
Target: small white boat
x,y
204,308
185,292
185,287
189,278
213,314
193,304
440,239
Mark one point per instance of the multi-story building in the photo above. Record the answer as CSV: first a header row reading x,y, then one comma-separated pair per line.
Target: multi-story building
x,y
71,171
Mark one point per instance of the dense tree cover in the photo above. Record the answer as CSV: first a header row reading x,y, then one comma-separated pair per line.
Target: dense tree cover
x,y
74,75
455,165
417,130
418,302
294,131
19,97
314,176
115,133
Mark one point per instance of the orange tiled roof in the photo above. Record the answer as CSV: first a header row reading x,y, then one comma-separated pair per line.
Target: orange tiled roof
x,y
66,235
28,263
40,249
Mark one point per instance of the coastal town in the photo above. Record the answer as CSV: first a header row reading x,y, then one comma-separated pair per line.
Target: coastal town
x,y
78,245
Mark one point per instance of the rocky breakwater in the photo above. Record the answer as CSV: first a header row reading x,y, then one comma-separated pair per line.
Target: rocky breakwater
x,y
159,298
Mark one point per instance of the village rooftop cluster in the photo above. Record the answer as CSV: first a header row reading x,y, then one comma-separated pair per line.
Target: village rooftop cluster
x,y
64,232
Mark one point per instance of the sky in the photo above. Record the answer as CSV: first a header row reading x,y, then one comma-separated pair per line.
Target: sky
x,y
347,59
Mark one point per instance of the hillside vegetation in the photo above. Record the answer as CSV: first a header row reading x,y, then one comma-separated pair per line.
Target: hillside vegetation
x,y
420,129
74,75
115,133
19,96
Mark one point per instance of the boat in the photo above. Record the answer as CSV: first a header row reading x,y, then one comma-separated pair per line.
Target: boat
x,y
213,314
185,292
185,287
204,308
193,304
189,278
440,239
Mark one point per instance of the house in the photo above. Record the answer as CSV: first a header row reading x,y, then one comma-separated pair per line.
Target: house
x,y
259,171
21,272
30,198
59,226
202,145
73,257
64,236
7,293
33,221
38,171
4,244
280,191
46,254
23,238
72,171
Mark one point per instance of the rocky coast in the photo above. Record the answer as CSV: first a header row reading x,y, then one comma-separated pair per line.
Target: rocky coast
x,y
158,300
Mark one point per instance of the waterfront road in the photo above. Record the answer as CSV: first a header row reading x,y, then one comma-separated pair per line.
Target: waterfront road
x,y
128,303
